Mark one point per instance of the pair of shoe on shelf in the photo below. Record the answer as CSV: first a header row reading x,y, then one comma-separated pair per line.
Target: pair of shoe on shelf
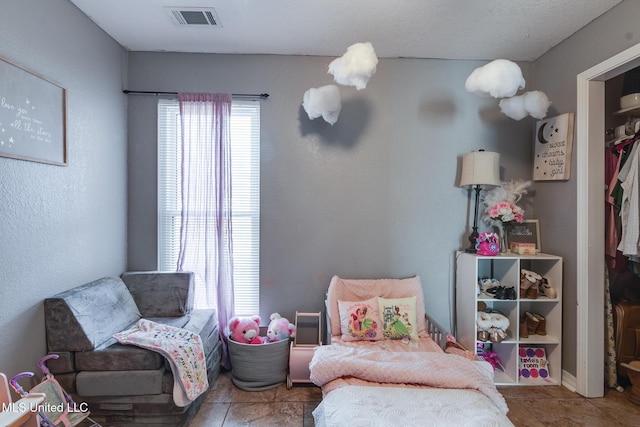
x,y
492,326
492,287
484,283
532,284
532,324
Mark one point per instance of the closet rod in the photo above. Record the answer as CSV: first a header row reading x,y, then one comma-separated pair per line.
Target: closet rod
x,y
234,95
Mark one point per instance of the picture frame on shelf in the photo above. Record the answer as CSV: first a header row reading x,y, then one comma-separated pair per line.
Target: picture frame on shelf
x,y
533,363
527,232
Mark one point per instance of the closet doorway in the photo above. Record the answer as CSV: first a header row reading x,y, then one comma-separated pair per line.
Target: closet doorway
x,y
590,130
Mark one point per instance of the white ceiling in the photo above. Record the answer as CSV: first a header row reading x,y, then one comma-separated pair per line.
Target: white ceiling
x,y
519,30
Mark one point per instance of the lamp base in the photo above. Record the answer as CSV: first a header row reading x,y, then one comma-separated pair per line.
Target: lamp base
x,y
473,237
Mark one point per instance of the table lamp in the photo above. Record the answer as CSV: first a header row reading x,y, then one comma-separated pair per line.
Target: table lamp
x,y
479,168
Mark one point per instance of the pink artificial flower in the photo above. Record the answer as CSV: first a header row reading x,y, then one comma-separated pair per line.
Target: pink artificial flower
x,y
506,212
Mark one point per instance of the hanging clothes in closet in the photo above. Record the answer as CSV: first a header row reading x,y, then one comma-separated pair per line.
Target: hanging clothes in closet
x,y
622,215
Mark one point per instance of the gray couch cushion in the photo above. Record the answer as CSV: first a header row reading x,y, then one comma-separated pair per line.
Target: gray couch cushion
x,y
118,357
82,318
210,341
163,294
204,323
120,383
112,356
63,364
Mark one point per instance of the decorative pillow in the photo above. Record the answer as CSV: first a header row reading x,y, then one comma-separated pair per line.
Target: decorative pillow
x,y
399,318
363,289
360,320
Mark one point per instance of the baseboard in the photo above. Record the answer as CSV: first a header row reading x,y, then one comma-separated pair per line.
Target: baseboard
x,y
569,381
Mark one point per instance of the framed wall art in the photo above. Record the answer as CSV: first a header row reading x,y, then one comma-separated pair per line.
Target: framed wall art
x,y
525,232
553,146
32,116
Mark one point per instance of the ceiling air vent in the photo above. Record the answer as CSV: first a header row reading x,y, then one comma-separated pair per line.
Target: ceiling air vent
x,y
194,16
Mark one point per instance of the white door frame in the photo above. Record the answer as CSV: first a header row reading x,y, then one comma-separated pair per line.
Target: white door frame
x,y
590,131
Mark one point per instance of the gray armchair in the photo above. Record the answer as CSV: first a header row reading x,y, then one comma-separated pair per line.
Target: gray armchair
x,y
126,385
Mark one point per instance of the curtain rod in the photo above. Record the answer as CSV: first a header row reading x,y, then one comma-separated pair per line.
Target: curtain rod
x,y
156,93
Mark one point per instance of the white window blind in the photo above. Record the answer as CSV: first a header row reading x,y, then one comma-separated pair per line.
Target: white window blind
x,y
245,181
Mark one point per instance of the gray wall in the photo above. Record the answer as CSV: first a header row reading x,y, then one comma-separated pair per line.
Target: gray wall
x,y
373,196
555,73
61,226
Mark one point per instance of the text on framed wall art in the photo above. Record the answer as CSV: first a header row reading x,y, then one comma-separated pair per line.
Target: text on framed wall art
x,y
32,116
553,146
525,232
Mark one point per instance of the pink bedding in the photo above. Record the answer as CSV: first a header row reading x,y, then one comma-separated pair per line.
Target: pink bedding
x,y
333,364
424,344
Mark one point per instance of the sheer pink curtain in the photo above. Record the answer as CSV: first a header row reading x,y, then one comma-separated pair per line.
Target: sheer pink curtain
x,y
205,231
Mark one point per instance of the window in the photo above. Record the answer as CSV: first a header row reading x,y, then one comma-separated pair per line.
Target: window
x,y
245,166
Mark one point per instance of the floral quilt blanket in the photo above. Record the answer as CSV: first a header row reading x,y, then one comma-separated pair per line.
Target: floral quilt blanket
x,y
182,349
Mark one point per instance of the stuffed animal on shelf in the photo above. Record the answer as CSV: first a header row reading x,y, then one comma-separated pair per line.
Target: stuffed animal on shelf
x,y
279,328
245,330
492,326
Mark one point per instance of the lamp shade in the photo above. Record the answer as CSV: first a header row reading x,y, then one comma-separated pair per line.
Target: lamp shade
x,y
480,168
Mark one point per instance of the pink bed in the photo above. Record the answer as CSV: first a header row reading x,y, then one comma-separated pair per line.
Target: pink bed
x,y
398,381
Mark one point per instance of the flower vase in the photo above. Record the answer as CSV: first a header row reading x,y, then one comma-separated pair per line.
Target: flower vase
x,y
503,241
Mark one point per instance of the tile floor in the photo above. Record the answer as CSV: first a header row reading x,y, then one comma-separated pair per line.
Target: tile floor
x,y
228,406
557,406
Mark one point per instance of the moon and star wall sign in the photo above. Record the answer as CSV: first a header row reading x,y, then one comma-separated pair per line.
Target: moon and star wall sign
x,y
553,144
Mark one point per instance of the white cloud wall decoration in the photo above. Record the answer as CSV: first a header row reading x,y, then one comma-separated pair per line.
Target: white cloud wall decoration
x,y
356,66
534,104
324,101
500,79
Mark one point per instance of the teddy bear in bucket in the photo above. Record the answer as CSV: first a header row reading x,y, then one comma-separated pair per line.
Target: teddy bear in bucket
x,y
279,329
245,330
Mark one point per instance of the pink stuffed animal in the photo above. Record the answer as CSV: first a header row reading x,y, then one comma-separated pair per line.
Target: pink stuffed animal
x,y
245,330
279,328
